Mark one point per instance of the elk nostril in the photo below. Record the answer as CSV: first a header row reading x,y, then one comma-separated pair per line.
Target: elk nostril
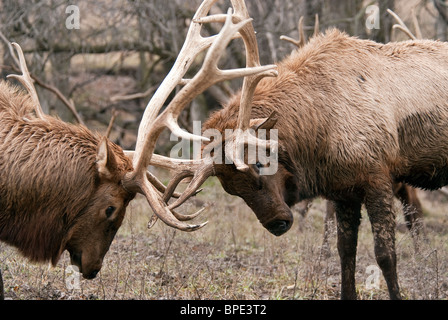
x,y
278,227
91,275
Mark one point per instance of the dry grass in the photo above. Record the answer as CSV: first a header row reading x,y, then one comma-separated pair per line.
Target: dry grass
x,y
234,257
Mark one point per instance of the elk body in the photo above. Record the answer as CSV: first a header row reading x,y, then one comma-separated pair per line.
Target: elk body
x,y
59,186
354,116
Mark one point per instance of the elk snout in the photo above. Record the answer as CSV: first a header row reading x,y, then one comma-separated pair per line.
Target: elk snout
x,y
91,275
87,271
279,227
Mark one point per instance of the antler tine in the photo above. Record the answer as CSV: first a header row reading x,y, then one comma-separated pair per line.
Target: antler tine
x,y
298,43
163,162
316,25
401,25
25,80
249,84
200,174
302,41
418,31
161,210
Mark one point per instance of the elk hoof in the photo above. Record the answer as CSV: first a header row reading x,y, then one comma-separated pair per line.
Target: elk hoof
x,y
278,227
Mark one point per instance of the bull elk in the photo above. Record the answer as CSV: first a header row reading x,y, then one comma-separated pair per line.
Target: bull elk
x,y
63,187
59,185
412,208
353,117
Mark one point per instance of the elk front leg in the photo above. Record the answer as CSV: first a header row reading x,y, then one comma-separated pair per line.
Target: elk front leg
x,y
382,219
348,215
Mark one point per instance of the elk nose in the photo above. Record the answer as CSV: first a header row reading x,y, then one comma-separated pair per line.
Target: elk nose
x,y
91,275
278,227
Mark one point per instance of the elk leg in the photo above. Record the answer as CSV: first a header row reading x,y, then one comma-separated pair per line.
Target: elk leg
x,y
382,220
413,212
348,215
329,222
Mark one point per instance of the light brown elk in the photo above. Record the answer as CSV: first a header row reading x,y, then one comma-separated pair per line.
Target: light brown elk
x,y
412,208
63,187
353,117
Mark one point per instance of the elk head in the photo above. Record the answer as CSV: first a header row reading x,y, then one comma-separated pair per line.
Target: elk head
x,y
263,185
89,239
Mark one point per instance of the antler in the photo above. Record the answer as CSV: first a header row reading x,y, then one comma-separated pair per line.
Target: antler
x,y
402,26
302,40
235,25
25,79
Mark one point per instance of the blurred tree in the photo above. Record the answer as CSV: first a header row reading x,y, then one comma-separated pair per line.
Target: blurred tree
x,y
442,19
125,47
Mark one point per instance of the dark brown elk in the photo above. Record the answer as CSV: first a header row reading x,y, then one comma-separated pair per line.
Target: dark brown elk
x,y
59,184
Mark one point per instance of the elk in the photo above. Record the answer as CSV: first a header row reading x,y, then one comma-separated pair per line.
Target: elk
x,y
64,187
353,117
412,208
59,184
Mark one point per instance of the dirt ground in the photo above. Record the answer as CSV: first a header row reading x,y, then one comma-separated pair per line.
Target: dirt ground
x,y
234,257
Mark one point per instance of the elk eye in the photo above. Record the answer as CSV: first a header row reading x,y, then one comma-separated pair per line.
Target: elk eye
x,y
109,211
259,165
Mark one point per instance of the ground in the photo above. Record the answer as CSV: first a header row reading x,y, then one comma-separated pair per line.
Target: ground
x,y
234,257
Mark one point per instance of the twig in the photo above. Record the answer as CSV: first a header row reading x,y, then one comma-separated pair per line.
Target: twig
x,y
134,95
68,103
111,122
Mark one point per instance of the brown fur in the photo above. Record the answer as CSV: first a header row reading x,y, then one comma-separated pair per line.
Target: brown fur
x,y
52,196
354,117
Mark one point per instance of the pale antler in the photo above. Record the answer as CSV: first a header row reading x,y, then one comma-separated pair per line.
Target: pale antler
x,y
402,26
25,79
154,123
240,138
302,39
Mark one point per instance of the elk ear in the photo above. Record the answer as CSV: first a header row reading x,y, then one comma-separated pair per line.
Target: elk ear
x,y
264,123
105,160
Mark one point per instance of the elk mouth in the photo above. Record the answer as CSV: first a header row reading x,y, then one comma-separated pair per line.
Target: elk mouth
x,y
277,221
76,259
278,227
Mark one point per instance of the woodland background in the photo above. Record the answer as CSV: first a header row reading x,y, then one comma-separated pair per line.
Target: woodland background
x,y
126,47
